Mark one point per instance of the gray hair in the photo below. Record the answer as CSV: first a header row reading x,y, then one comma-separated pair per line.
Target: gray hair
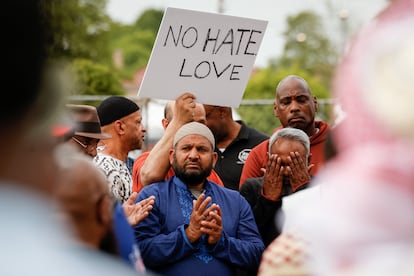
x,y
293,134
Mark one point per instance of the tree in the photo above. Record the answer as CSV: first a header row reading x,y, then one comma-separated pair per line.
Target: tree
x,y
307,46
80,29
94,79
149,20
135,42
135,49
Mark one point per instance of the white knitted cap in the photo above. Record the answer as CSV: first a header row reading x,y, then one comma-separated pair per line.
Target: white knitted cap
x,y
194,128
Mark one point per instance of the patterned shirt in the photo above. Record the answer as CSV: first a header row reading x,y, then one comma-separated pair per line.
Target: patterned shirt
x,y
118,175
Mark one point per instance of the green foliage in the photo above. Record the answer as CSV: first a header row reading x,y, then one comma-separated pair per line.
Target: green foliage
x,y
80,29
94,79
150,20
135,42
259,117
136,49
307,46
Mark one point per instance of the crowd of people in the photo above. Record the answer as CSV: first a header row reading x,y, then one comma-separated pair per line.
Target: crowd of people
x,y
214,195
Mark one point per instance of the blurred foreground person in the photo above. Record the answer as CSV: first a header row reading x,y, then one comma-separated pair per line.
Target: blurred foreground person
x,y
287,255
365,222
197,227
32,241
87,203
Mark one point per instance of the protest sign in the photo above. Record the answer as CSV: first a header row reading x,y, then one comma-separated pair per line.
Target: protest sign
x,y
207,54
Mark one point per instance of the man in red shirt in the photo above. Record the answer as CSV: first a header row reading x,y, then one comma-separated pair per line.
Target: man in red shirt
x,y
295,106
155,166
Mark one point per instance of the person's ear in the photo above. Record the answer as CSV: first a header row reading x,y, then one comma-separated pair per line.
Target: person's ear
x,y
315,104
104,211
276,109
165,122
215,157
119,127
172,151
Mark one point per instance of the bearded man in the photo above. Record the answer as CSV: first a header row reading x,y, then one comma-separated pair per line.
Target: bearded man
x,y
197,226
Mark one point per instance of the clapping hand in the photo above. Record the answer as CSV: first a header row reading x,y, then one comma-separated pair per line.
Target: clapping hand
x,y
136,212
212,224
204,220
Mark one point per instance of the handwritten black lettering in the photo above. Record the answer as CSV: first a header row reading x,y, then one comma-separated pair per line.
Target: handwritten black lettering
x,y
188,38
234,72
242,31
175,40
196,71
181,71
218,74
194,39
229,42
251,42
208,39
203,70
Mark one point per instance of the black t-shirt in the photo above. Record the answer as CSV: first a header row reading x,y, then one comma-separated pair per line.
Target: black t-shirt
x,y
230,162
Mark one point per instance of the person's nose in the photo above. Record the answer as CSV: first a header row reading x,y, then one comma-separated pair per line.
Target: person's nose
x,y
193,154
294,107
93,152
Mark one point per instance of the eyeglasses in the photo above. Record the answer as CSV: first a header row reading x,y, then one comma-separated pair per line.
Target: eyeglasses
x,y
80,143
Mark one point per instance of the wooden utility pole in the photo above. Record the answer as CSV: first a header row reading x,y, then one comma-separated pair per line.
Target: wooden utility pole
x,y
220,7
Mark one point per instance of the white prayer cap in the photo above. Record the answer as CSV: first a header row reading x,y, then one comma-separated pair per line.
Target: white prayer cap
x,y
194,128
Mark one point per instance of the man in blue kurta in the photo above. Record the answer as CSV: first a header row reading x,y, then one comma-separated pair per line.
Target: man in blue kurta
x,y
196,226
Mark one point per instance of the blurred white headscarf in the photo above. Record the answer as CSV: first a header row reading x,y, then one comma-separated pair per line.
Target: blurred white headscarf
x,y
365,223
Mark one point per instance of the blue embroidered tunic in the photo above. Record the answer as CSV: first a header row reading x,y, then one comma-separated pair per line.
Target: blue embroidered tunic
x,y
164,245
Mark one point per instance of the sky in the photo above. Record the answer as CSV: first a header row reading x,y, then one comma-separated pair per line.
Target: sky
x,y
357,13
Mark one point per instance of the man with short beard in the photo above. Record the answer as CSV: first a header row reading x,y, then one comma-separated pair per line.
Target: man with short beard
x,y
196,226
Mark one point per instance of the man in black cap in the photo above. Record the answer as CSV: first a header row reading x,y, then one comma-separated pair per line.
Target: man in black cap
x,y
121,118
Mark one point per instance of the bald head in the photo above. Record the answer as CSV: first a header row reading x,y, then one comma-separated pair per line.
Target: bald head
x,y
81,186
168,110
293,80
83,196
199,112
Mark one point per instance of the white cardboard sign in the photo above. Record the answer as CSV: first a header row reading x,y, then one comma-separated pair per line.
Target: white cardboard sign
x,y
207,54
